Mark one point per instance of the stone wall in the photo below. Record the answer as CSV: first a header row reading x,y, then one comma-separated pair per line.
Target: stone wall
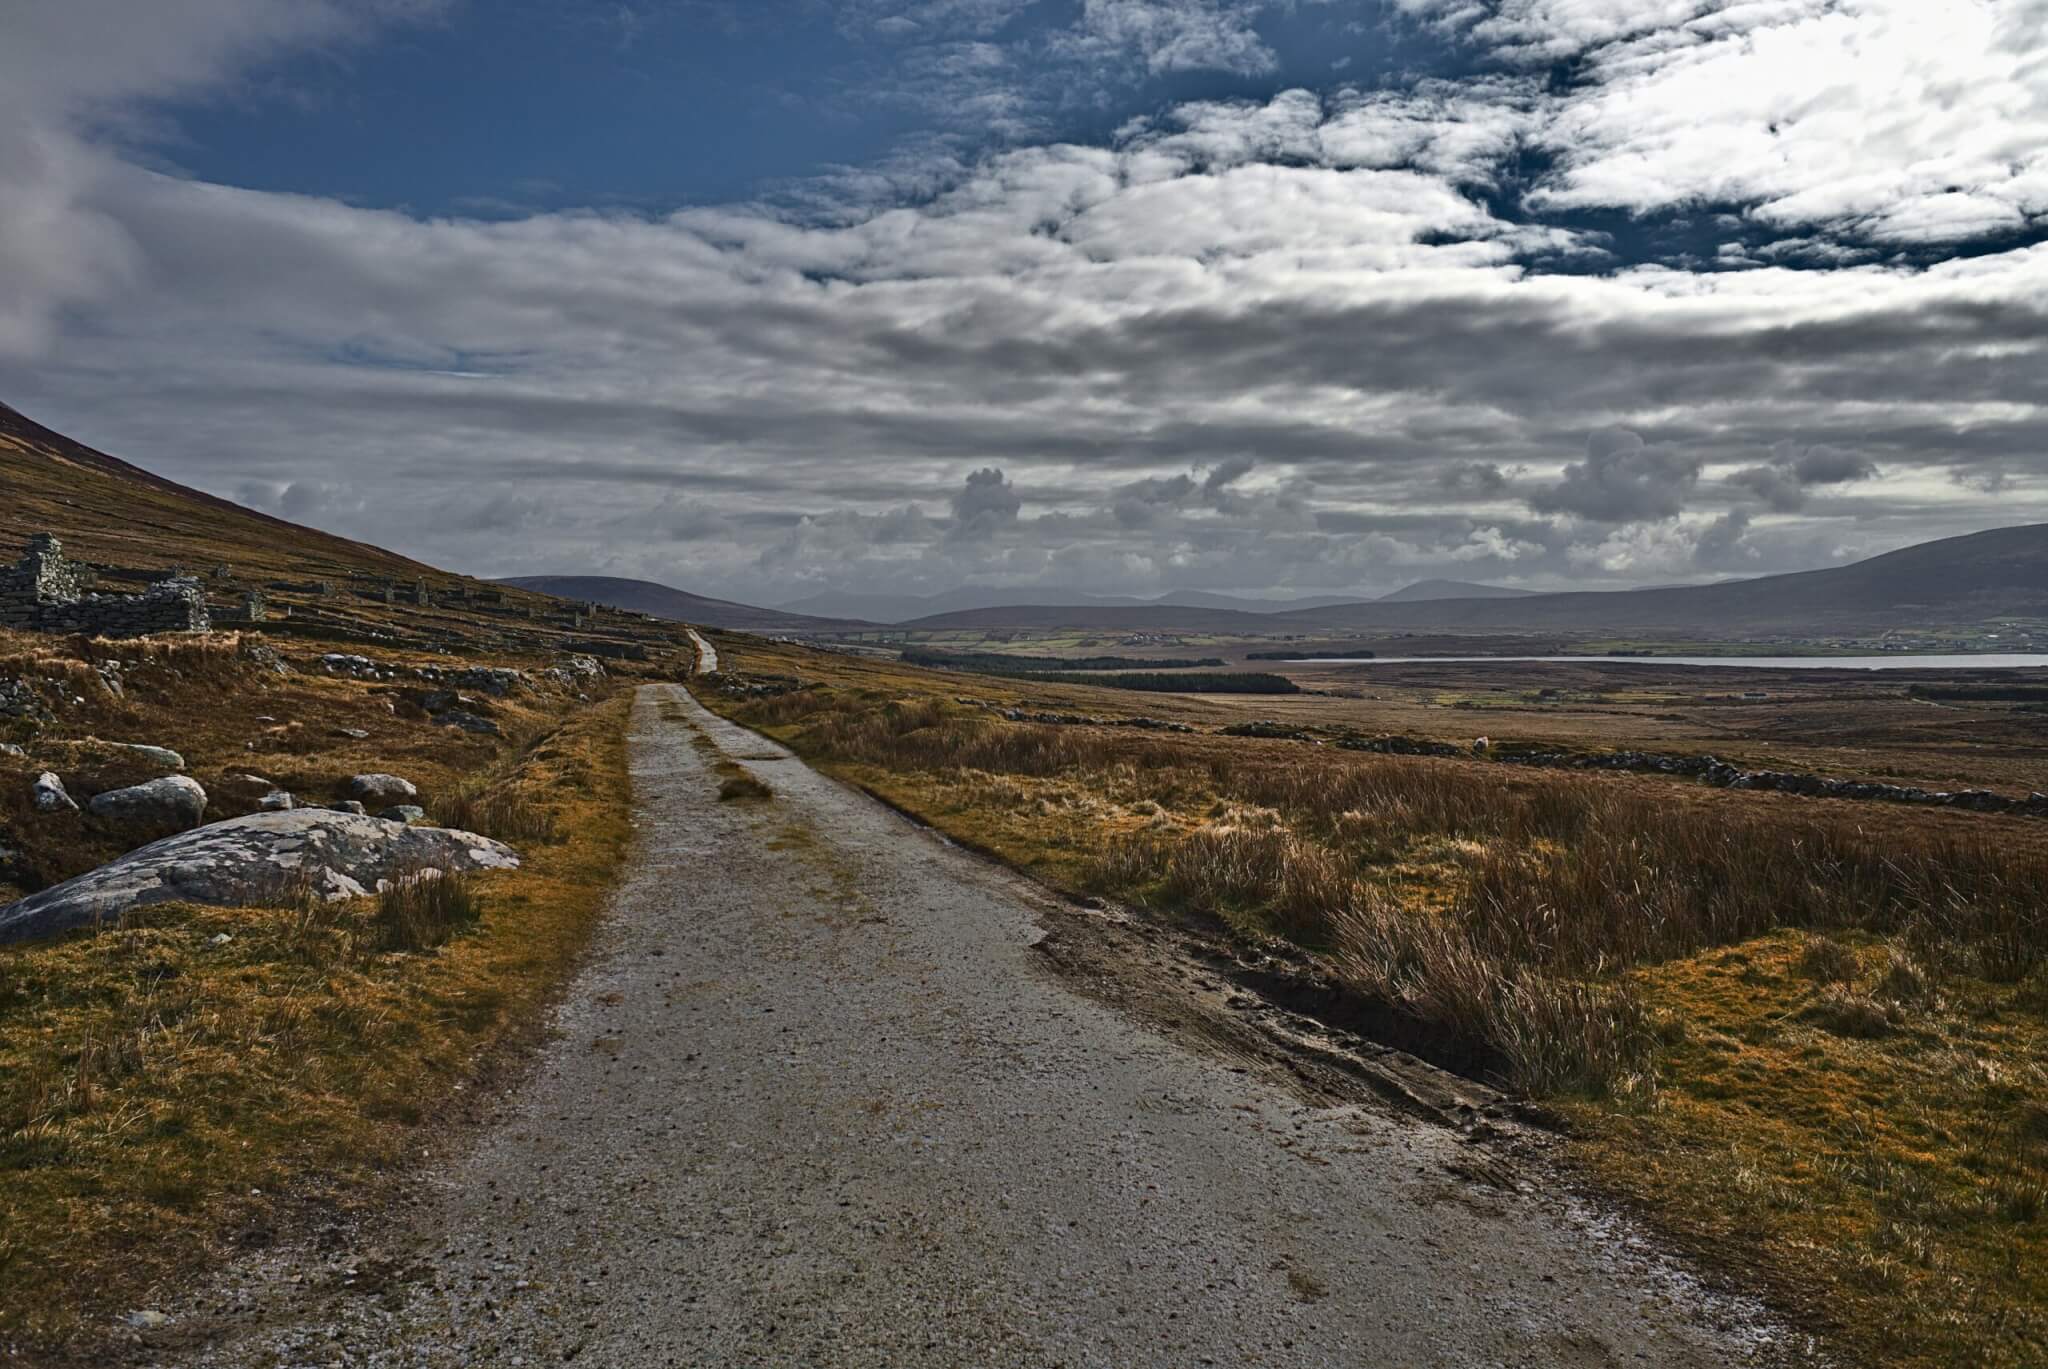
x,y
44,592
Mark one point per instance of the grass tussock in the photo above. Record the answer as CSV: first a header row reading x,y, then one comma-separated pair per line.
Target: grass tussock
x,y
1808,1031
740,785
426,909
508,814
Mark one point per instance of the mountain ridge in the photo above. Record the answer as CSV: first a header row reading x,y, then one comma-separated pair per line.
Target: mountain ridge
x,y
1953,581
665,601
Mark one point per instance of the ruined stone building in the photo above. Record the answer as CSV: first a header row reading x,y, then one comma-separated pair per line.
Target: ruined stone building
x,y
45,592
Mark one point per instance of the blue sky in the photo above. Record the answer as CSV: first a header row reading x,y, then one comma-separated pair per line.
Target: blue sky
x,y
1264,296
504,109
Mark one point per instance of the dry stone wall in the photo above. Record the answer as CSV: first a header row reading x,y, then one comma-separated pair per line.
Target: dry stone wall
x,y
45,592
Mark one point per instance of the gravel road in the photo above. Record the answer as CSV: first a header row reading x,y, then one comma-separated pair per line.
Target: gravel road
x,y
816,1101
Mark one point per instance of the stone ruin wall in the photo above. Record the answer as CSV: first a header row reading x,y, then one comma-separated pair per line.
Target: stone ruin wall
x,y
44,592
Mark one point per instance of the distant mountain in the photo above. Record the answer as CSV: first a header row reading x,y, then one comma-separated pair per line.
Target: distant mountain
x,y
660,601
901,608
904,608
1196,598
1953,582
1146,618
1422,591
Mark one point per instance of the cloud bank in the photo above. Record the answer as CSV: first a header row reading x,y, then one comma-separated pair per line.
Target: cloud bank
x,y
1759,286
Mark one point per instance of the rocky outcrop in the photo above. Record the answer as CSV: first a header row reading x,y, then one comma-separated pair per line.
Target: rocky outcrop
x,y
173,801
496,681
382,789
575,672
263,858
1399,746
18,699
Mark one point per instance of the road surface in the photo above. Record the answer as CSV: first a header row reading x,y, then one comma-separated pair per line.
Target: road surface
x,y
707,654
817,1101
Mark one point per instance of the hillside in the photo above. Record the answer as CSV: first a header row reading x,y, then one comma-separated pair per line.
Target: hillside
x,y
675,605
135,525
111,512
1952,582
1423,591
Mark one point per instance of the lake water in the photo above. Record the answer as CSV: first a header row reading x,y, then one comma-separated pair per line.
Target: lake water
x,y
1982,660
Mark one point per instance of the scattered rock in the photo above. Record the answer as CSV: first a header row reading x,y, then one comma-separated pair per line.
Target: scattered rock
x,y
356,667
404,812
155,755
173,801
49,796
251,860
349,806
382,788
277,801
1722,775
10,749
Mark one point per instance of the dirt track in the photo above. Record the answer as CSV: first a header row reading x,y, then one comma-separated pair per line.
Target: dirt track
x,y
817,1101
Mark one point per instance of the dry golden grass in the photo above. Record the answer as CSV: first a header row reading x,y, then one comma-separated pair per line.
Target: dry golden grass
x,y
1808,1037
161,1083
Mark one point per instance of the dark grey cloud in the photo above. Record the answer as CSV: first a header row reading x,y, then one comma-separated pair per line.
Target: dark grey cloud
x,y
1783,482
985,504
1622,480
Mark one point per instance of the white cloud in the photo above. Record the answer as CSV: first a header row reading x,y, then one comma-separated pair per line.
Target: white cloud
x,y
1906,121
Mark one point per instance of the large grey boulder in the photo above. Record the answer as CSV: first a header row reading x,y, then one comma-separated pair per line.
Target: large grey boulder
x,y
173,801
49,795
382,790
251,861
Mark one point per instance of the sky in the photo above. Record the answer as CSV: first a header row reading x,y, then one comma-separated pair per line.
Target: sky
x,y
762,298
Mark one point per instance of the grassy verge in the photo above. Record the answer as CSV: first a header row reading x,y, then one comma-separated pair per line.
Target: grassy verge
x,y
1813,1039
161,1083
